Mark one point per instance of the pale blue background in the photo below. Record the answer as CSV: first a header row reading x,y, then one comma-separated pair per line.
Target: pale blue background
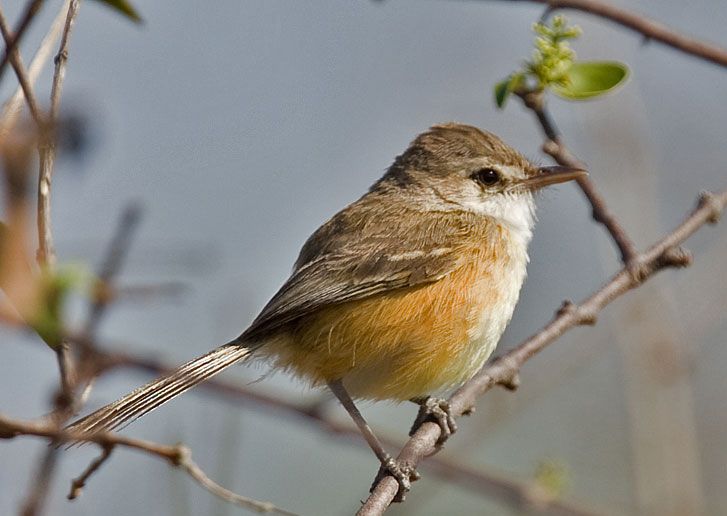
x,y
242,125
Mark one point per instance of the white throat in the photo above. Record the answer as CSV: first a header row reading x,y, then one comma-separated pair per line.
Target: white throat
x,y
515,211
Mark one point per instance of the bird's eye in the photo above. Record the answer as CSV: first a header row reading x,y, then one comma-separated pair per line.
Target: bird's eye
x,y
486,176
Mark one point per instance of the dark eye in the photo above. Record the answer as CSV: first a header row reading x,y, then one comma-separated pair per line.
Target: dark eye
x,y
486,176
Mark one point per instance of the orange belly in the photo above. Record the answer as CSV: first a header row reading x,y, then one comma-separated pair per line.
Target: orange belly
x,y
408,342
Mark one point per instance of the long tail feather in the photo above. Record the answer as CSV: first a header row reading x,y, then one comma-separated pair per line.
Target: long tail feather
x,y
143,400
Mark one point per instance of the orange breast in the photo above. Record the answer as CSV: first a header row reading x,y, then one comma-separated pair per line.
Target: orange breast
x,y
408,342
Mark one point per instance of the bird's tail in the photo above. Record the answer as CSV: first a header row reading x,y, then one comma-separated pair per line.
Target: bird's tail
x,y
157,392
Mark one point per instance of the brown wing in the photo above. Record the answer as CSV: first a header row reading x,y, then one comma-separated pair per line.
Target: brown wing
x,y
355,255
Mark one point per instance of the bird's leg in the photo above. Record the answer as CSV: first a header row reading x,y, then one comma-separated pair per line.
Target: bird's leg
x,y
438,411
403,474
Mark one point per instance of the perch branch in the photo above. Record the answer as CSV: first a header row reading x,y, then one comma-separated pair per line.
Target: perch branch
x,y
504,370
510,492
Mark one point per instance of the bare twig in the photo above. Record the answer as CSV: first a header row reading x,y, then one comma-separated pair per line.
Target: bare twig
x,y
555,147
11,109
507,490
47,151
27,17
645,26
78,483
46,252
504,371
186,463
17,62
41,482
115,256
178,456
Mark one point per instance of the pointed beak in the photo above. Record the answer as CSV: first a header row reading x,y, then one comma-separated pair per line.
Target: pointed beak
x,y
547,176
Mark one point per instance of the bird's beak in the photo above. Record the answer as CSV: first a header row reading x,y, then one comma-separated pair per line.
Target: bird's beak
x,y
553,175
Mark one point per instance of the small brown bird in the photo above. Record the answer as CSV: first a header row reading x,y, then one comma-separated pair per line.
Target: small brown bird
x,y
403,294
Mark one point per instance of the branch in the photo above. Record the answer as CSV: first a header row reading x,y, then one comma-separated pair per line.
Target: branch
x,y
77,484
12,106
111,265
510,492
178,456
504,370
46,150
46,253
17,62
555,147
645,26
30,11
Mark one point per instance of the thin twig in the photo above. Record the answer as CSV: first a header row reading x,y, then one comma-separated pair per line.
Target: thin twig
x,y
481,482
178,456
41,482
111,265
186,463
504,371
78,483
31,10
47,151
555,147
23,79
645,26
11,109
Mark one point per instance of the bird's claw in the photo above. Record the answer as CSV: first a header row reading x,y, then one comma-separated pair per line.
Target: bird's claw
x,y
438,411
402,473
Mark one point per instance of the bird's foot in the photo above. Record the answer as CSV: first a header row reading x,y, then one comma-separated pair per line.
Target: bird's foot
x,y
438,411
402,473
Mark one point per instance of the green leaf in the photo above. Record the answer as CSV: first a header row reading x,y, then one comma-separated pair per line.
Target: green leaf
x,y
588,79
502,92
55,288
503,89
124,8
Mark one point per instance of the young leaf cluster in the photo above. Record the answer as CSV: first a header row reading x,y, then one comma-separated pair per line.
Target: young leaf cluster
x,y
553,66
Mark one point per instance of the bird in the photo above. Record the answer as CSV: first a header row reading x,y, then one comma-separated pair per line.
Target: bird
x,y
402,295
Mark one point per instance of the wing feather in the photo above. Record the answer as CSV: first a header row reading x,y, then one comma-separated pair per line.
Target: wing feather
x,y
348,260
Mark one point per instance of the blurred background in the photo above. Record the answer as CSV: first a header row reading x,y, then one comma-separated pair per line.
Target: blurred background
x,y
241,126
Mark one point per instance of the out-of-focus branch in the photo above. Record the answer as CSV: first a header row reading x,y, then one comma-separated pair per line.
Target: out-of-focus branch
x,y
27,17
77,484
47,152
111,266
505,370
645,26
17,63
11,109
177,455
510,492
